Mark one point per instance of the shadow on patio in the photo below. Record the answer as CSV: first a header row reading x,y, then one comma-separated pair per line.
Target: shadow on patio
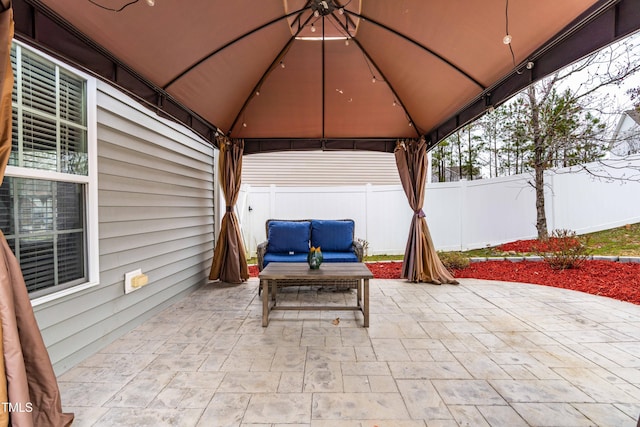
x,y
481,353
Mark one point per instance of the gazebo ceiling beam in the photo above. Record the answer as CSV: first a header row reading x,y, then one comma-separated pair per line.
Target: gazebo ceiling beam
x,y
269,70
391,88
418,44
38,26
232,42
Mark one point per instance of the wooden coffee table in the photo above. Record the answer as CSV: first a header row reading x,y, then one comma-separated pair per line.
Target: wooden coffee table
x,y
328,272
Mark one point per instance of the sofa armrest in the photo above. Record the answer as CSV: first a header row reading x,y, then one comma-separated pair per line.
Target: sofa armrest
x,y
262,249
358,250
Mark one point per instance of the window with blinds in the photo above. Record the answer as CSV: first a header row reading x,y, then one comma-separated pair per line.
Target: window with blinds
x,y
49,116
44,220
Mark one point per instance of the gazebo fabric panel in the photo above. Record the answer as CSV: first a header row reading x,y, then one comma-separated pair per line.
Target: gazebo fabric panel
x,y
436,60
6,31
421,262
6,86
229,260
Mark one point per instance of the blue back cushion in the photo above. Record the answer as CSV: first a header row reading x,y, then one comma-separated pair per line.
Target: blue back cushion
x,y
332,235
289,236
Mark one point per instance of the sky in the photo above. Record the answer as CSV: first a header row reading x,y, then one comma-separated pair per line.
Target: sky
x,y
620,100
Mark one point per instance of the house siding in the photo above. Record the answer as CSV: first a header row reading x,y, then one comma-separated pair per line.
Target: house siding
x,y
320,168
156,213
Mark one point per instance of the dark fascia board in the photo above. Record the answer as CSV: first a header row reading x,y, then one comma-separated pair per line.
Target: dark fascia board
x,y
39,27
254,145
605,23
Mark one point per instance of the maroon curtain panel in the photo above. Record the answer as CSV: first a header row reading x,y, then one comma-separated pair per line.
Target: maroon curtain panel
x,y
421,262
229,259
29,383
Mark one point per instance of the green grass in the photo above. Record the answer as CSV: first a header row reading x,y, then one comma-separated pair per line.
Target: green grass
x,y
374,258
485,252
621,241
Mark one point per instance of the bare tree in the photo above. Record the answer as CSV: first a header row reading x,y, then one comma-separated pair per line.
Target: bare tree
x,y
634,94
559,124
564,120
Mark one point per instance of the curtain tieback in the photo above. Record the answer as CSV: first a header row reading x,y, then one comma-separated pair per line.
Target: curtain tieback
x,y
229,208
419,213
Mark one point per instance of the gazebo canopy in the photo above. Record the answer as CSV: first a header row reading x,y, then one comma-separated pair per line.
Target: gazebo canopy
x,y
311,74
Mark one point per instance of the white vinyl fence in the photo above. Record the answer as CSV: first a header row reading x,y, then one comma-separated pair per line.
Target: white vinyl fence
x,y
461,215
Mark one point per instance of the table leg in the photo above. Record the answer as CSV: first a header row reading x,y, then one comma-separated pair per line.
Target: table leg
x,y
274,292
265,302
366,303
359,292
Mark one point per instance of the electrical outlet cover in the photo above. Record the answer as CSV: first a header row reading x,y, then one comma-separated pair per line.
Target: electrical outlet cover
x,y
128,287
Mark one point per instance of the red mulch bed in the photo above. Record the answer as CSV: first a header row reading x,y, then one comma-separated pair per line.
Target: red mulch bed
x,y
611,279
534,245
607,278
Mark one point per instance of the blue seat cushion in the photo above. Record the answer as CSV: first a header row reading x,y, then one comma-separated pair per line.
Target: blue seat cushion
x,y
284,257
332,235
339,257
288,236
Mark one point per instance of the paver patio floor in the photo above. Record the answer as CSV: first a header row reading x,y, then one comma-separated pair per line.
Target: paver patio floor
x,y
478,354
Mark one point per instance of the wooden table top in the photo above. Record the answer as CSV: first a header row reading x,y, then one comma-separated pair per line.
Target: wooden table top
x,y
329,271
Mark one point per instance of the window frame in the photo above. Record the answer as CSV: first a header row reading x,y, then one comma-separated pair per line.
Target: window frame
x,y
90,182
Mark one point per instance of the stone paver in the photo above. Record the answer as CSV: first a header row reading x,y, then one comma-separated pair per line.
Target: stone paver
x,y
481,353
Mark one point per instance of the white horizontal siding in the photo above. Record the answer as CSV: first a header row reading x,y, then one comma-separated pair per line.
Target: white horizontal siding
x,y
320,168
156,212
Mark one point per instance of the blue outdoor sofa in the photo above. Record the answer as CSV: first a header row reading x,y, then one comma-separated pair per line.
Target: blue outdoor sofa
x,y
290,240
